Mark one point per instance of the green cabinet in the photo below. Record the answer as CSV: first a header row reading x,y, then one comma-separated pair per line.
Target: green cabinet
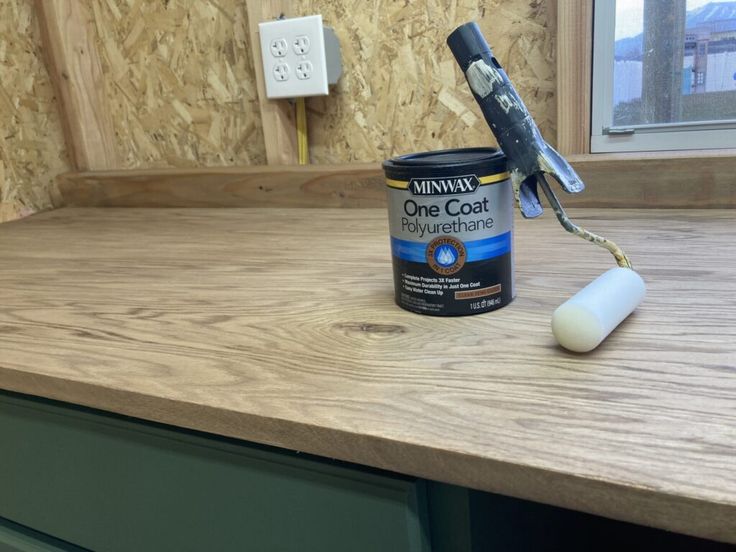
x,y
104,482
72,478
16,538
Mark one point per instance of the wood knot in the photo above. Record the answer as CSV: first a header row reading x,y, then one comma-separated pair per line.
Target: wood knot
x,y
371,328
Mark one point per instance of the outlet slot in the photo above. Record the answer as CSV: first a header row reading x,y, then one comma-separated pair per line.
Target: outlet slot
x,y
301,45
281,72
304,70
279,47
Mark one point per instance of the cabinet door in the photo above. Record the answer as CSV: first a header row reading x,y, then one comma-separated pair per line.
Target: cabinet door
x,y
16,538
110,483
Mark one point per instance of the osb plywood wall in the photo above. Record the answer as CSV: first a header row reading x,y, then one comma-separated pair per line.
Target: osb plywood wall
x,y
180,80
401,91
32,148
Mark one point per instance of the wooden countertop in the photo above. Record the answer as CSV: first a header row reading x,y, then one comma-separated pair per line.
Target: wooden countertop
x,y
278,326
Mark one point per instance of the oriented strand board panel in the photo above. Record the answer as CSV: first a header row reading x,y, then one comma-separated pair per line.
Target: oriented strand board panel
x,y
32,150
180,80
401,91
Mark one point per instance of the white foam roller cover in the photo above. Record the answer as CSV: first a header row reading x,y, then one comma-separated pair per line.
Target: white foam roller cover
x,y
586,319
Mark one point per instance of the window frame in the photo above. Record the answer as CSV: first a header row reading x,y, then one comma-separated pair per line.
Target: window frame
x,y
662,179
607,138
574,89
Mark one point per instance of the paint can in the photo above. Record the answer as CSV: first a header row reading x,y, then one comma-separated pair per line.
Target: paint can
x,y
451,218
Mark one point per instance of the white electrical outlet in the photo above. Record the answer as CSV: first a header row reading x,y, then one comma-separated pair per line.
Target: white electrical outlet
x,y
279,47
304,70
281,71
301,45
294,47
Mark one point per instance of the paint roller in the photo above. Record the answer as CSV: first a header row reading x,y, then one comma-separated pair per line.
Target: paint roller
x,y
585,320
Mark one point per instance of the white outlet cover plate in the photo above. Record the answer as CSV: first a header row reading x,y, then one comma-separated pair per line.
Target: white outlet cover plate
x,y
291,29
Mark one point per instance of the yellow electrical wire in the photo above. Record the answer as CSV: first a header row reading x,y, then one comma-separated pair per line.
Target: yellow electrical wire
x,y
301,132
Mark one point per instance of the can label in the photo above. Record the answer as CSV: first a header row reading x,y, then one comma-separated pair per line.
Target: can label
x,y
452,243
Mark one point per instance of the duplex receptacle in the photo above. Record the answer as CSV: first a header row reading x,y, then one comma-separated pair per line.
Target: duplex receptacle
x,y
294,48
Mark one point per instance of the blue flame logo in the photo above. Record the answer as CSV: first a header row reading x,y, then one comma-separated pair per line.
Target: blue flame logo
x,y
445,255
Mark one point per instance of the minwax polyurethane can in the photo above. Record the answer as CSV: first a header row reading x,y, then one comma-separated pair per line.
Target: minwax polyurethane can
x,y
451,219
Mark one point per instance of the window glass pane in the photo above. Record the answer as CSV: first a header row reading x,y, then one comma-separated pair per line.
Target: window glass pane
x,y
674,61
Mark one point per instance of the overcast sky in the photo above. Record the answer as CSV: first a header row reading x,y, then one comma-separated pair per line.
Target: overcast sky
x,y
629,15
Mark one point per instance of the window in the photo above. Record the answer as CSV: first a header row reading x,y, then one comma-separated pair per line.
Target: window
x,y
664,75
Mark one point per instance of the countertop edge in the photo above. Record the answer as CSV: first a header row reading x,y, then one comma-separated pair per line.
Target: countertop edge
x,y
673,512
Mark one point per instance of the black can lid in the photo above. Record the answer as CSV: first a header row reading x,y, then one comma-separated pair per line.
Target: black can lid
x,y
452,162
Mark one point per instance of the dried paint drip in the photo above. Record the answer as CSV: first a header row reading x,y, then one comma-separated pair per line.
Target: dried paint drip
x,y
451,222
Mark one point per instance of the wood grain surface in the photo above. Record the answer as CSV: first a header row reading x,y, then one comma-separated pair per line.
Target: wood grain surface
x,y
76,71
574,75
347,185
278,117
278,326
686,180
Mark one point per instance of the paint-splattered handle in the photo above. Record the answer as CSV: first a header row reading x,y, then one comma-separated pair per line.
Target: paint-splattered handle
x,y
503,109
529,156
508,118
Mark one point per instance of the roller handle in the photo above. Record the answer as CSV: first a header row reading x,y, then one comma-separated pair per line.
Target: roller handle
x,y
503,109
467,44
508,118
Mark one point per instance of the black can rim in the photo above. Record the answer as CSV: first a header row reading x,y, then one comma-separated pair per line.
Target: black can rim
x,y
482,161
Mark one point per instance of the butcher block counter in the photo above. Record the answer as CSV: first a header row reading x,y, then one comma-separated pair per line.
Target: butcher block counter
x,y
277,327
